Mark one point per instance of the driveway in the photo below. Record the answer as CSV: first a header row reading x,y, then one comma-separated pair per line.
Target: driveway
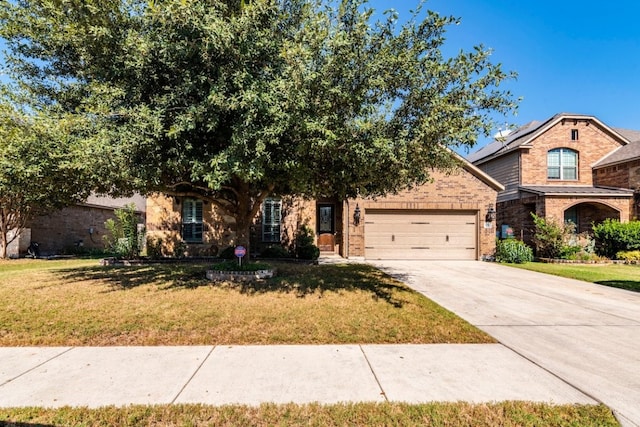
x,y
587,335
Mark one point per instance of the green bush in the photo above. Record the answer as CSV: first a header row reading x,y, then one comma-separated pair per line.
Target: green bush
x,y
628,255
227,253
551,239
123,239
305,248
612,237
154,247
275,252
513,251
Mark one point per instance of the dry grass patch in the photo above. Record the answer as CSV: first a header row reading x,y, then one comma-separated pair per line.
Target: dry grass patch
x,y
81,303
356,414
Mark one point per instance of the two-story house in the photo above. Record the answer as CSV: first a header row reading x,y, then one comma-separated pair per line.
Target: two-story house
x,y
571,167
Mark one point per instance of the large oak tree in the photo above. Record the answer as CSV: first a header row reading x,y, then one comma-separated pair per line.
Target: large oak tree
x,y
230,101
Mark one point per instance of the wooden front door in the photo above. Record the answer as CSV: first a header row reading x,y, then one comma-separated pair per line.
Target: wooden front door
x,y
326,227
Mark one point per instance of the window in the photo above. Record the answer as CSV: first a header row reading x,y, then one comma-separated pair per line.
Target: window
x,y
562,163
571,215
271,220
192,224
574,134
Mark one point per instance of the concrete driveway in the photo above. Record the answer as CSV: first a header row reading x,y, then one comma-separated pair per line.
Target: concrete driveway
x,y
587,335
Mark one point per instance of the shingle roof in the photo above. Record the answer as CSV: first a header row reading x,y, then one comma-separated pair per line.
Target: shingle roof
x,y
523,135
626,152
582,191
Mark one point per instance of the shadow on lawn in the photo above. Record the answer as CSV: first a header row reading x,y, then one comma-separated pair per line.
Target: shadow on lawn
x,y
301,280
629,285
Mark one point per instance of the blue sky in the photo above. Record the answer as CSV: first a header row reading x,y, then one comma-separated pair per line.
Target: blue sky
x,y
570,56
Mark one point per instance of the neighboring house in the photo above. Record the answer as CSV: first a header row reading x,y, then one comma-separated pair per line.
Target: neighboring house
x,y
445,219
79,227
571,167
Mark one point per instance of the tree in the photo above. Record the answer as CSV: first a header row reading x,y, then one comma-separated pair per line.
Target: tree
x,y
231,101
40,169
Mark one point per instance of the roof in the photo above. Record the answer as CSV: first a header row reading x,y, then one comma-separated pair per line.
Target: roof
x,y
525,134
626,152
116,202
482,176
580,191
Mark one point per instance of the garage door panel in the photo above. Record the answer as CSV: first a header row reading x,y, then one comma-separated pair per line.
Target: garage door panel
x,y
420,235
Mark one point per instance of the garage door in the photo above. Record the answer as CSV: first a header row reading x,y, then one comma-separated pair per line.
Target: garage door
x,y
392,234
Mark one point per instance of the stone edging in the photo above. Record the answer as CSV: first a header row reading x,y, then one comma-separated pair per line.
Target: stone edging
x,y
242,276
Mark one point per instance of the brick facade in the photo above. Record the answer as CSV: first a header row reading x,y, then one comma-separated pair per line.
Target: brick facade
x,y
592,145
593,141
164,222
457,191
72,229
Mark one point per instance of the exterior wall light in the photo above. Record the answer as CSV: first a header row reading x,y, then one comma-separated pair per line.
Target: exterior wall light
x,y
491,214
356,215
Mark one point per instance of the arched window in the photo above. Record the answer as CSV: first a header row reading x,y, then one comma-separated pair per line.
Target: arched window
x,y
562,164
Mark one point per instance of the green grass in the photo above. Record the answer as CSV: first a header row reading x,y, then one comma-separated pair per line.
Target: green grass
x,y
353,414
79,302
615,275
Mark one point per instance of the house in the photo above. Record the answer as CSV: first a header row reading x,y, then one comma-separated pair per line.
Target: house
x,y
76,228
571,167
449,218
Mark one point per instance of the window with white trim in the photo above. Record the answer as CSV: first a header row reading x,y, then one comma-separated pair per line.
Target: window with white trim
x,y
562,164
271,220
192,224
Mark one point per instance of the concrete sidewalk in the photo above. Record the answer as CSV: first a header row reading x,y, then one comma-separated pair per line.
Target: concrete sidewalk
x,y
98,376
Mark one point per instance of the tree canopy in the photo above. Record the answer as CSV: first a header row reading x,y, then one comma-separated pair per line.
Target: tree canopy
x,y
42,168
231,101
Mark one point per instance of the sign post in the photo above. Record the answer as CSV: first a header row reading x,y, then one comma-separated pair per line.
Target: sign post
x,y
240,251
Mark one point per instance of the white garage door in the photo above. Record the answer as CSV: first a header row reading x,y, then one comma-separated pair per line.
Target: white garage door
x,y
393,234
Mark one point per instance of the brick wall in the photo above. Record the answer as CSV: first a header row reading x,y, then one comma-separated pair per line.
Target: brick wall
x,y
164,221
71,229
593,144
460,191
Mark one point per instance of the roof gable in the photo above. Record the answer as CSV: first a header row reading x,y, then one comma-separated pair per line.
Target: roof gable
x,y
525,135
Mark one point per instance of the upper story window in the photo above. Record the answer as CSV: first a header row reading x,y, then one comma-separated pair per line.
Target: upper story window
x,y
562,164
271,220
574,134
192,224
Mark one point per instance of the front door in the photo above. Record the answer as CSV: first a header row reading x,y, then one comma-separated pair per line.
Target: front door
x,y
326,227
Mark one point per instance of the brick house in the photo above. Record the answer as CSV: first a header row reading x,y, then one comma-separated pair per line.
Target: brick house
x,y
445,219
78,227
571,167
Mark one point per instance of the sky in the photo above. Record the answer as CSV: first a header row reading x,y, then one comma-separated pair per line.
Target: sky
x,y
570,56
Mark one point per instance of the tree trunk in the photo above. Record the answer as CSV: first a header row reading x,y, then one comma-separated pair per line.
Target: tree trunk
x,y
3,246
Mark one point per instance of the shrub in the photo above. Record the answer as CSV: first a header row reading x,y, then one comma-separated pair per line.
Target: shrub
x,y
228,253
612,237
513,251
123,238
154,247
551,238
628,255
275,252
305,248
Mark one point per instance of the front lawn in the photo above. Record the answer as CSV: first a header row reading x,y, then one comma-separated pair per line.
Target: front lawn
x,y
78,302
458,414
616,275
